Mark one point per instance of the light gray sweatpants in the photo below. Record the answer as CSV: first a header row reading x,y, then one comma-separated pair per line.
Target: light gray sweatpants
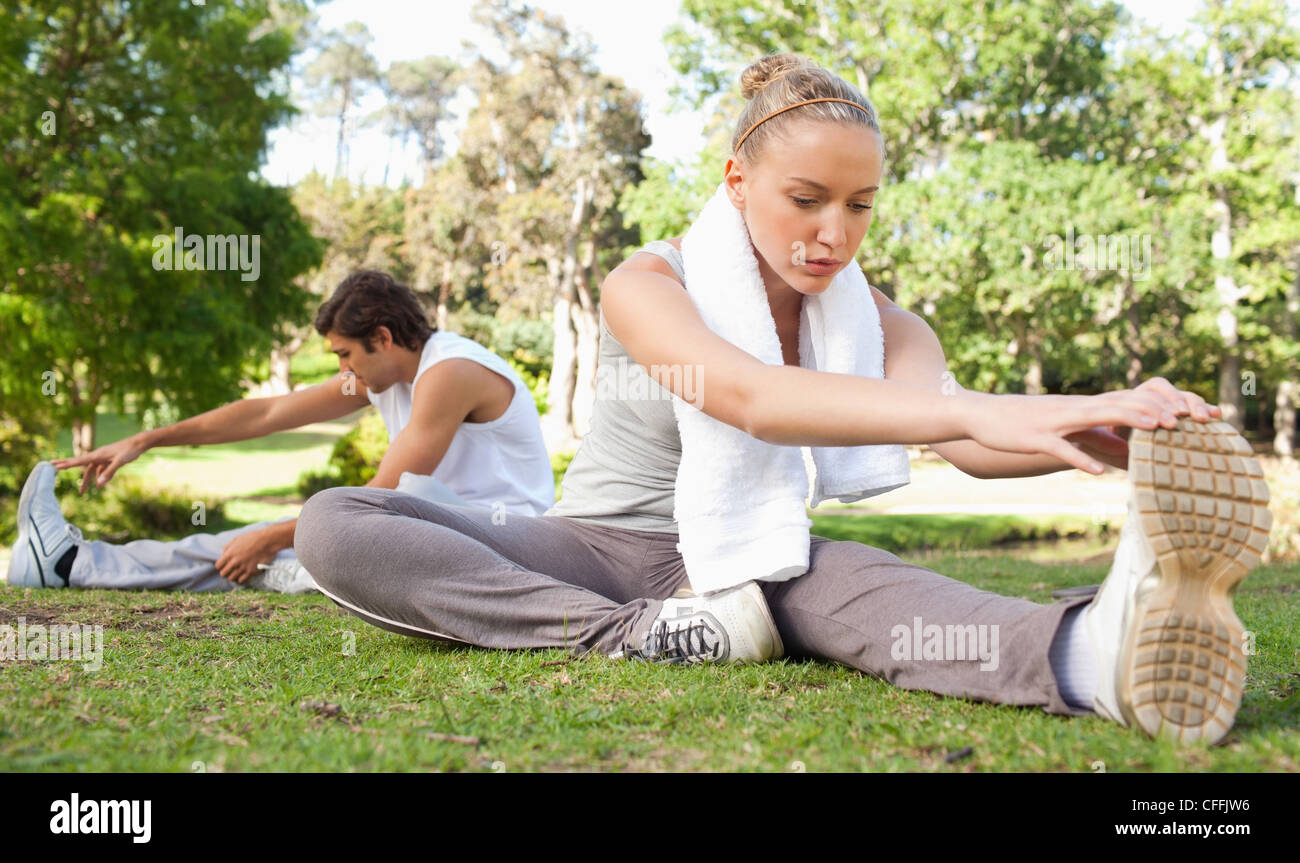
x,y
455,573
188,563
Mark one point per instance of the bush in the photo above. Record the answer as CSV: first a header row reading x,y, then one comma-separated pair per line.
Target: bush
x,y
312,481
354,459
539,385
559,466
126,509
24,440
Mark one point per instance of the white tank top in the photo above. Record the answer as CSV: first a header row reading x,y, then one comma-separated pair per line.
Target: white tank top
x,y
502,462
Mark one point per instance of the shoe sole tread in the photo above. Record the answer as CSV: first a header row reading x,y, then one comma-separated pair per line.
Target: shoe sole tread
x,y
1203,505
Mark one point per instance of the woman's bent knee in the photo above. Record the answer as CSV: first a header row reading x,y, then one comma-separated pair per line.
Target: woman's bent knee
x,y
320,538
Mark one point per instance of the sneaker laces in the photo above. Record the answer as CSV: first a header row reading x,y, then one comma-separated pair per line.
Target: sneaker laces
x,y
691,641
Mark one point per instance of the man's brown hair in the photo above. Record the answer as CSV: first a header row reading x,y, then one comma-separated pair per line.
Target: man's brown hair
x,y
369,299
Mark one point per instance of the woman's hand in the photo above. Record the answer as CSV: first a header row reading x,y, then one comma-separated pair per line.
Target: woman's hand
x,y
1180,402
1098,424
1110,443
1042,424
105,461
1107,444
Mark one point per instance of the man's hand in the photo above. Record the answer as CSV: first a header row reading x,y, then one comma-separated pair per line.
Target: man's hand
x,y
105,461
240,557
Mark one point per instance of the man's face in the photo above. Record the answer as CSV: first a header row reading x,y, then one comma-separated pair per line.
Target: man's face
x,y
372,369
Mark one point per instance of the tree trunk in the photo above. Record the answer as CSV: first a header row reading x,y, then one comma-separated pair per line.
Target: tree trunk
x,y
1284,419
586,323
1225,286
339,165
1288,391
1133,346
281,382
559,431
83,436
1034,374
557,424
444,292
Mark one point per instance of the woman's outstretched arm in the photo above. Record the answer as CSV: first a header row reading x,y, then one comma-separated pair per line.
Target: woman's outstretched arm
x,y
913,353
657,323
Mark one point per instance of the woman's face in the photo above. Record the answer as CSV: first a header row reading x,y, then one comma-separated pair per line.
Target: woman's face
x,y
808,201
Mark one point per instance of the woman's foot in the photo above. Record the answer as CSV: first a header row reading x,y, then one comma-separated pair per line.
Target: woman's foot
x,y
732,625
1170,648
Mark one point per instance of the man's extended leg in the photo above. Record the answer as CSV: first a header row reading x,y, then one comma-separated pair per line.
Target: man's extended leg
x,y
49,552
147,564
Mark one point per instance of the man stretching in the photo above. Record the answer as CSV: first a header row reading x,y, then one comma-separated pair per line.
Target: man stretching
x,y
462,429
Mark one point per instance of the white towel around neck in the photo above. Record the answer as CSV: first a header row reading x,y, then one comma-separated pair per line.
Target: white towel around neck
x,y
739,502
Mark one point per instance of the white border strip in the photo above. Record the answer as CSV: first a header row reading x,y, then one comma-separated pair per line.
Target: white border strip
x,y
362,613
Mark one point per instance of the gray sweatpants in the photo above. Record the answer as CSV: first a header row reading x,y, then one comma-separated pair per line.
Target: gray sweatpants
x,y
456,573
188,563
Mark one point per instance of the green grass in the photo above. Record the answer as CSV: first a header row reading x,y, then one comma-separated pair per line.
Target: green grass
x,y
248,681
953,532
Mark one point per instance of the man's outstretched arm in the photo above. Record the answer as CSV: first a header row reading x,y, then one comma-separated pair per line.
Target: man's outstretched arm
x,y
242,420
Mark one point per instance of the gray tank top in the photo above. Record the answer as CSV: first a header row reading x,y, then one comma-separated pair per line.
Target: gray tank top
x,y
625,470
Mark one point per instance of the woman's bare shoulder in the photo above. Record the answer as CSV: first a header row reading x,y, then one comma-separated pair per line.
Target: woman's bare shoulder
x,y
643,260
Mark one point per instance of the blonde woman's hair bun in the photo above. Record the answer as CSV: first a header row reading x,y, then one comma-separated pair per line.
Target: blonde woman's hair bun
x,y
766,70
781,89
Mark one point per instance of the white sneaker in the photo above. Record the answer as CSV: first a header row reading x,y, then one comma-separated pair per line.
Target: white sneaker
x,y
732,625
283,576
44,535
1170,652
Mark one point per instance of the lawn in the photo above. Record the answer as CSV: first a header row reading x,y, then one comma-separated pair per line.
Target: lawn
x,y
250,681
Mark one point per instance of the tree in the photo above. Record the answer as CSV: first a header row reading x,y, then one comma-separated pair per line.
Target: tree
x,y
133,125
338,77
556,141
417,93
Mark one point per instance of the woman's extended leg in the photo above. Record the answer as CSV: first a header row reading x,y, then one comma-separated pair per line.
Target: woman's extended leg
x,y
473,575
917,629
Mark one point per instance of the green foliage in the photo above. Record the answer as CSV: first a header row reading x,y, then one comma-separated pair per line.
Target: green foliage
x,y
314,363
356,456
25,439
126,509
99,176
527,341
560,462
312,481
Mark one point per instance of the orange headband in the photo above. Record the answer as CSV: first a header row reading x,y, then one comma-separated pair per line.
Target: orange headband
x,y
796,105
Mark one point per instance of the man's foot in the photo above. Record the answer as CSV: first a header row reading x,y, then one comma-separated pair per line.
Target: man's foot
x,y
1170,649
44,536
726,626
283,576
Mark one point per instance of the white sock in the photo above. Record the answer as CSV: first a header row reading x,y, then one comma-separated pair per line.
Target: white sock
x,y
1073,660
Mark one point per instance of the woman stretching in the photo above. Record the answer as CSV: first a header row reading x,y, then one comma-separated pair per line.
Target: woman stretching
x,y
1159,646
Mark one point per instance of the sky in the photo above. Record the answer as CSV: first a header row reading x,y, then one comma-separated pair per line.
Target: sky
x,y
629,45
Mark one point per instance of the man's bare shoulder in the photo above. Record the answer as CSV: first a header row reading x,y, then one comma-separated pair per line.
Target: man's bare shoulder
x,y
465,387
